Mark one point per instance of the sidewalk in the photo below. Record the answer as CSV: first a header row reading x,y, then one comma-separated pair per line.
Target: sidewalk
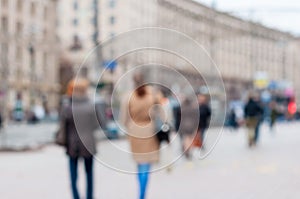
x,y
23,136
231,171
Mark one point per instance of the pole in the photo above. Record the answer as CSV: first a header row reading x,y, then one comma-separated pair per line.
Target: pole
x,y
212,37
96,36
32,78
4,79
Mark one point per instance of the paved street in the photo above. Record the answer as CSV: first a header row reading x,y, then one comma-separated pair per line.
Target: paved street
x,y
231,171
22,136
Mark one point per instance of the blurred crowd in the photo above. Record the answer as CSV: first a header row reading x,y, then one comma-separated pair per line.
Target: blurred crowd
x,y
149,114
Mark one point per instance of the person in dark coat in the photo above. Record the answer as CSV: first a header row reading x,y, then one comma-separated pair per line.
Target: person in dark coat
x,y
188,125
253,112
80,120
260,117
205,114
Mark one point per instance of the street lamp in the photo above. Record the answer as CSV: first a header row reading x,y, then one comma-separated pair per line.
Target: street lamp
x,y
99,59
4,87
31,50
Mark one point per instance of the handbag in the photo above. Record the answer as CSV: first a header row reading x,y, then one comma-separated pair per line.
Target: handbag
x,y
163,134
61,134
197,140
162,129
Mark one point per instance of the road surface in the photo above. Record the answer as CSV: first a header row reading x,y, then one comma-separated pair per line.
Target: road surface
x,y
231,171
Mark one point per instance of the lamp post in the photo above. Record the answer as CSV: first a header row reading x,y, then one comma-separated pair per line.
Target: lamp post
x,y
4,80
31,50
99,58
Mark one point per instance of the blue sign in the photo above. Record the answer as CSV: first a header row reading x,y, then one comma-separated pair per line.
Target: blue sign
x,y
111,64
273,85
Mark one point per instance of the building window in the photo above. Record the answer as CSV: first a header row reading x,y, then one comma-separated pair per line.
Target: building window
x,y
4,25
77,45
20,5
4,3
45,63
32,9
93,21
75,5
19,29
75,22
112,3
4,56
45,13
112,20
19,54
45,34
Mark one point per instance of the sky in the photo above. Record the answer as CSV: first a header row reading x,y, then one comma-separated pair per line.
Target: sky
x,y
280,14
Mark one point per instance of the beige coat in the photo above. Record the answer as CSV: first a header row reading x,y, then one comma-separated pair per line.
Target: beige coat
x,y
135,116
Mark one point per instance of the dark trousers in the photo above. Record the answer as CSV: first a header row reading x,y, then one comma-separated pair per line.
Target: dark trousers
x,y
202,131
257,131
88,163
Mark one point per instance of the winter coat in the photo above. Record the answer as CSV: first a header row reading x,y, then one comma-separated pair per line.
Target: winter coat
x,y
80,121
136,117
205,114
253,109
189,120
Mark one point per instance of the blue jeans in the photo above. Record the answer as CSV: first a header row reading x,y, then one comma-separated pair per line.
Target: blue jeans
x,y
88,162
143,176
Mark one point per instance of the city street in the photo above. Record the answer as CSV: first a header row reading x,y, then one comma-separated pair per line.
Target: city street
x,y
131,69
231,171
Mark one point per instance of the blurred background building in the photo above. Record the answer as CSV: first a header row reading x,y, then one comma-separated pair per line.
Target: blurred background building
x,y
248,54
243,50
28,65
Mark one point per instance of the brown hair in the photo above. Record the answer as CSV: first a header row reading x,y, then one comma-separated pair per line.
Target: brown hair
x,y
141,91
138,79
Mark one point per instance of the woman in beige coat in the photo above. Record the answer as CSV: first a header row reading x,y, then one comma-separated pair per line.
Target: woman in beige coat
x,y
136,117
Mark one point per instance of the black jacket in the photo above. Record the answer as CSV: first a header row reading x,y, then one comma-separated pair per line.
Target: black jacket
x,y
253,109
205,114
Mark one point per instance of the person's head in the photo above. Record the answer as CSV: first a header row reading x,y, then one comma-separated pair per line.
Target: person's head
x,y
202,99
253,96
139,85
187,101
78,87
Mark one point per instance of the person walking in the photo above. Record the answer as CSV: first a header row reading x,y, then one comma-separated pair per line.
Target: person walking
x,y
260,117
140,128
188,126
205,115
80,121
252,116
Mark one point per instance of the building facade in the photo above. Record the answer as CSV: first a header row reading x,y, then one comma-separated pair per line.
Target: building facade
x,y
28,52
241,49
